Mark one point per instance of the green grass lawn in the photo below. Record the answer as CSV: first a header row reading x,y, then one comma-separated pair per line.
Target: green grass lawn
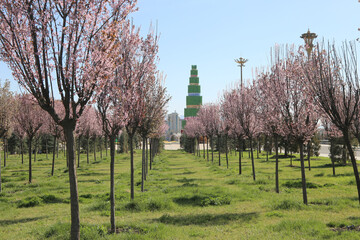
x,y
186,197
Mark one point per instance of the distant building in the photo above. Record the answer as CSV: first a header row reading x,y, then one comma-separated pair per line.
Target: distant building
x,y
174,123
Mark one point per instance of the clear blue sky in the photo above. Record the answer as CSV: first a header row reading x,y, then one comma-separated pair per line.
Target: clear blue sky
x,y
211,34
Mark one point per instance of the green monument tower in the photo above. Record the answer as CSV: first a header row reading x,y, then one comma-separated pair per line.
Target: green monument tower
x,y
193,99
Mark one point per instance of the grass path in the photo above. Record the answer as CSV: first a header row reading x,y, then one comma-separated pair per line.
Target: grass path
x,y
186,197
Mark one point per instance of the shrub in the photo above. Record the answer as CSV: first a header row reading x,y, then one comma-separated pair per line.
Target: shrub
x,y
215,201
298,184
89,195
49,198
29,202
288,205
99,206
154,204
133,206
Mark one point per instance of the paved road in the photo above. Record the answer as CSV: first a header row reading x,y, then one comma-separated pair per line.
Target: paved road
x,y
324,149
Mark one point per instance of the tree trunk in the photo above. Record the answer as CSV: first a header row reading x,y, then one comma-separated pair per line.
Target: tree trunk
x,y
207,148
204,146
212,149
94,149
240,155
151,145
258,147
4,145
218,142
106,146
252,159
46,147
308,154
332,158
87,150
226,149
131,167
0,175
101,148
35,149
143,164
53,160
74,197
146,159
112,184
353,162
57,149
276,164
30,153
22,151
303,179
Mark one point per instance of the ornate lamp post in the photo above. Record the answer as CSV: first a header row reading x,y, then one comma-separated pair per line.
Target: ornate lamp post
x,y
308,38
241,61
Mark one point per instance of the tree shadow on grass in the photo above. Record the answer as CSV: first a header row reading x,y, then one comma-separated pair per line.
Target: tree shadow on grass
x,y
207,218
7,222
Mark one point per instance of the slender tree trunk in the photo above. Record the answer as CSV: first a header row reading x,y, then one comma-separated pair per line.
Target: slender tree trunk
x,y
131,167
308,154
30,153
353,161
0,175
4,145
94,149
106,146
112,183
258,147
57,149
212,149
101,148
146,158
22,151
204,146
87,150
218,142
252,159
74,197
226,149
35,148
199,150
276,164
151,150
53,159
332,159
46,147
303,179
143,164
240,155
207,148
291,161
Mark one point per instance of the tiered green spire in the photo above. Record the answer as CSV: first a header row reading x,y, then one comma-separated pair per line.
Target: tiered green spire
x,y
193,100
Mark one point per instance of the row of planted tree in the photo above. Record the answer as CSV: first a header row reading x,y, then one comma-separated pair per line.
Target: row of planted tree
x,y
72,57
290,101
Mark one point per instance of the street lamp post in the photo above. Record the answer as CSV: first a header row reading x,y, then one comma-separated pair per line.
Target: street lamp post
x,y
308,38
241,61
